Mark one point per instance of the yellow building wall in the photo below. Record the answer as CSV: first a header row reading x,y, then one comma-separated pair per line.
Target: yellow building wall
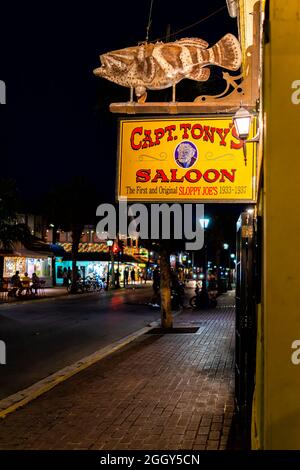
x,y
257,427
281,290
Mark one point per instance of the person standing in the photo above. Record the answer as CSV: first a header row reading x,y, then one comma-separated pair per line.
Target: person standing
x,y
126,275
117,279
65,278
156,280
132,276
69,275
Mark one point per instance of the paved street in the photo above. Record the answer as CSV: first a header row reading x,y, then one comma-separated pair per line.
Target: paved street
x,y
44,336
170,391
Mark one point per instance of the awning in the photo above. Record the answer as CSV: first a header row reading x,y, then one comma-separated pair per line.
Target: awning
x,y
103,257
57,249
24,252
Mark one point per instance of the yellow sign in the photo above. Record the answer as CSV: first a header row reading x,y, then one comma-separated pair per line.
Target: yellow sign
x,y
185,159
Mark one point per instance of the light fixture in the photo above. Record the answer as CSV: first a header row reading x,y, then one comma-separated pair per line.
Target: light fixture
x,y
204,222
250,210
232,255
109,242
225,246
242,121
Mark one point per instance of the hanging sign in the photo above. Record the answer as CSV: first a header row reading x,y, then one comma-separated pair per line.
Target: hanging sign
x,y
184,159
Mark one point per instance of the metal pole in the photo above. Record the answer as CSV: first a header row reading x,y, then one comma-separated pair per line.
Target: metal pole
x,y
204,294
112,259
107,276
229,272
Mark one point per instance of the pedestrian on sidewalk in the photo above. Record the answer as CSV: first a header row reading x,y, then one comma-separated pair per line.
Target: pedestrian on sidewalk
x,y
65,278
132,276
69,276
126,275
156,280
117,279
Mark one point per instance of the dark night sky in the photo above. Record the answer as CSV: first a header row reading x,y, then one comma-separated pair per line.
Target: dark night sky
x,y
56,123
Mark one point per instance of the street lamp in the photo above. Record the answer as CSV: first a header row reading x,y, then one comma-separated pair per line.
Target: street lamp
x,y
116,250
226,248
242,122
204,222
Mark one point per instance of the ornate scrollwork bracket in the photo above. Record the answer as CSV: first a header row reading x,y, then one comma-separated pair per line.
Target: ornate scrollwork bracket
x,y
243,87
231,84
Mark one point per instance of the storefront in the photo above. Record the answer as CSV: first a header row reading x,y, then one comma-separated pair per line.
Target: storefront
x,y
86,268
33,263
96,259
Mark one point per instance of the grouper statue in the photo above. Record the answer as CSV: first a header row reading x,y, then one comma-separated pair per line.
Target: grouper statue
x,y
162,65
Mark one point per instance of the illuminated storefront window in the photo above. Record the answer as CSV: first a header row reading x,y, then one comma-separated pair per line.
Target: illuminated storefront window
x,y
86,268
99,268
40,266
13,264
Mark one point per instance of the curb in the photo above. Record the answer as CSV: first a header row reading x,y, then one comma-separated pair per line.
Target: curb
x,y
17,400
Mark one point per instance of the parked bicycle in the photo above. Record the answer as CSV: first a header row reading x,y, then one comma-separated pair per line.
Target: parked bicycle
x,y
92,283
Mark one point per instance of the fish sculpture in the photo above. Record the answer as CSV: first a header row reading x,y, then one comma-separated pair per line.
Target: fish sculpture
x,y
162,65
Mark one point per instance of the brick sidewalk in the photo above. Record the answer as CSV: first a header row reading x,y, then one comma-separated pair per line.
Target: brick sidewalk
x,y
172,391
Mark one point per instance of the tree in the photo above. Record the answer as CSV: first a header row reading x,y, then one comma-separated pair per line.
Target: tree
x,y
165,248
11,231
71,206
165,282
